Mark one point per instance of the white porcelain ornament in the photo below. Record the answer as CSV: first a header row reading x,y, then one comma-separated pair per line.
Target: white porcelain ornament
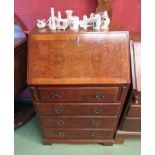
x,y
85,22
92,15
74,23
69,16
61,23
97,22
52,21
105,21
41,23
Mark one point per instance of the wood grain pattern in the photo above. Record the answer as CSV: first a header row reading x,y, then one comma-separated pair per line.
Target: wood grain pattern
x,y
78,94
78,122
78,109
132,124
58,59
134,111
78,134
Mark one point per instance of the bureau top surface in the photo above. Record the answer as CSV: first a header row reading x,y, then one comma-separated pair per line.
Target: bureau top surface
x,y
81,57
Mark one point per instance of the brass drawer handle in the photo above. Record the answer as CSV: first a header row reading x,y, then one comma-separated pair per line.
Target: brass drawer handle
x,y
58,110
96,122
61,134
93,134
60,122
136,99
97,110
99,96
56,95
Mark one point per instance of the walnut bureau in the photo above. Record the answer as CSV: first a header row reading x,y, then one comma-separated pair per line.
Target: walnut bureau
x,y
79,82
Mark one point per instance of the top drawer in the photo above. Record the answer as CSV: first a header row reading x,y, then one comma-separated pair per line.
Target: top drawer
x,y
75,95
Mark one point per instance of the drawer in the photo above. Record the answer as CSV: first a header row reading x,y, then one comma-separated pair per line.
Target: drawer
x,y
78,122
134,111
78,134
79,109
79,94
132,124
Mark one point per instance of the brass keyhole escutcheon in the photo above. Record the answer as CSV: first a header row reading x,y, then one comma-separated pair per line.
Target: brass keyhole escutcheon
x,y
99,96
56,95
58,110
61,134
93,134
97,110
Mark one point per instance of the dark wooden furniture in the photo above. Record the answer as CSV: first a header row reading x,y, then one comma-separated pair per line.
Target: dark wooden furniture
x,y
79,82
104,5
20,60
130,124
22,112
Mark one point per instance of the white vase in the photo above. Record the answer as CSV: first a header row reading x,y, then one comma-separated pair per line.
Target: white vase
x,y
69,16
69,13
74,23
85,22
52,21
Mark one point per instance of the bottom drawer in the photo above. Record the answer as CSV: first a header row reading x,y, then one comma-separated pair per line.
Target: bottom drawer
x,y
78,134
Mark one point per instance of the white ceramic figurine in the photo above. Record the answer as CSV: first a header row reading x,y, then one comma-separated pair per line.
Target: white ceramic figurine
x,y
85,22
105,21
61,23
41,23
97,22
